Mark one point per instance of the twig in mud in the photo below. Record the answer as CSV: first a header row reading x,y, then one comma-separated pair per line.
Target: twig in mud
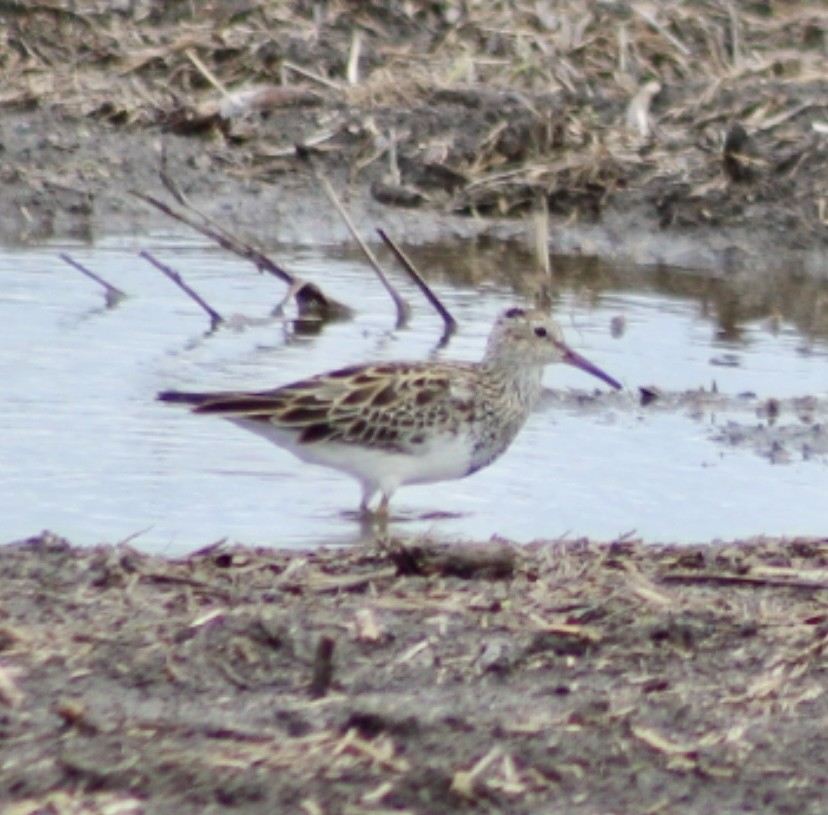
x,y
744,579
132,536
209,230
215,318
403,308
735,36
206,72
466,782
337,584
310,299
352,72
327,83
212,227
661,744
639,115
540,235
322,668
540,248
449,321
308,144
393,158
650,19
186,581
114,295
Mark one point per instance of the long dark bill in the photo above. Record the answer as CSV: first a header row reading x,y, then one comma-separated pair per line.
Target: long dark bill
x,y
570,357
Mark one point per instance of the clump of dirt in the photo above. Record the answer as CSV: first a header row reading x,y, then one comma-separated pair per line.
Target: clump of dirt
x,y
572,676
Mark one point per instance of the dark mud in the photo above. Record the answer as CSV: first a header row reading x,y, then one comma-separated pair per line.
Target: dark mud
x,y
565,677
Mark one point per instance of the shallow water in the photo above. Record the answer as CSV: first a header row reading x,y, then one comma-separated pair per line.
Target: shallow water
x,y
87,452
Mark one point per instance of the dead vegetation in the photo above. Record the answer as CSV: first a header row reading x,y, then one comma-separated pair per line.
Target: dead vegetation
x,y
414,678
473,107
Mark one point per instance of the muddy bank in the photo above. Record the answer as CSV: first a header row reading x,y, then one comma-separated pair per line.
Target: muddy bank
x,y
566,676
684,136
79,186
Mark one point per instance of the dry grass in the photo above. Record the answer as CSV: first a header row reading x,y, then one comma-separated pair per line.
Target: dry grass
x,y
575,83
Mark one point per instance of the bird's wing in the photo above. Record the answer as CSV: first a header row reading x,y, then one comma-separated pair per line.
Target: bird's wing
x,y
384,404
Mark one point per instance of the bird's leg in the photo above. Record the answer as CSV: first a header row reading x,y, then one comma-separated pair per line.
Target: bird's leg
x,y
380,514
382,509
364,505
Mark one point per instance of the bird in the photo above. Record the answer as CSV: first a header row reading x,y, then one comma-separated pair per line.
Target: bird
x,y
390,424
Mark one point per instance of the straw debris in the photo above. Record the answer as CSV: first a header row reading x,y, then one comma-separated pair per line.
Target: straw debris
x,y
259,678
467,107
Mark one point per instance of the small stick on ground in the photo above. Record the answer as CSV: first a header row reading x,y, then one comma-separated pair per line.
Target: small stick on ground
x,y
403,308
114,295
206,72
327,83
310,299
449,321
322,668
215,318
744,579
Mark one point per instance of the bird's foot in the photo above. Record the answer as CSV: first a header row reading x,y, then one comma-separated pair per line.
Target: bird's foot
x,y
374,517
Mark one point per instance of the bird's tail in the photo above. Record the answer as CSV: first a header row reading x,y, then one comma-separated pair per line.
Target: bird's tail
x,y
184,398
225,403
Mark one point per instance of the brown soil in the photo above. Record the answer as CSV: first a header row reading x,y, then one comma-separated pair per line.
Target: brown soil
x,y
561,677
564,677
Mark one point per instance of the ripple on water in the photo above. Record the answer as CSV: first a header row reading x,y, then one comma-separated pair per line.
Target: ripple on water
x,y
87,452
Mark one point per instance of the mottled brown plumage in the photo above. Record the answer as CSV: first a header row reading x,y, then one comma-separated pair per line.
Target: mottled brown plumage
x,y
395,423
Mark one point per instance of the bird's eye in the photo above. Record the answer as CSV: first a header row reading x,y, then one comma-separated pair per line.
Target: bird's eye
x,y
540,331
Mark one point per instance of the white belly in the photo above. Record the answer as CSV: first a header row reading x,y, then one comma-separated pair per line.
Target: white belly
x,y
439,459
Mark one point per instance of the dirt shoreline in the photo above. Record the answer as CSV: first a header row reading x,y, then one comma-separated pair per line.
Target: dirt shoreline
x,y
718,165
568,677
77,184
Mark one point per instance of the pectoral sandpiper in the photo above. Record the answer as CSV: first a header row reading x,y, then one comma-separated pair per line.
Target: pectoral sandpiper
x,y
394,423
